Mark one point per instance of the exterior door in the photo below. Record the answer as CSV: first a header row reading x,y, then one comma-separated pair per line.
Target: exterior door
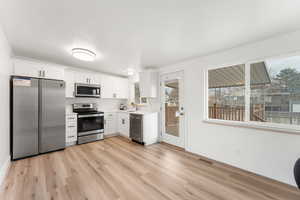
x,y
172,109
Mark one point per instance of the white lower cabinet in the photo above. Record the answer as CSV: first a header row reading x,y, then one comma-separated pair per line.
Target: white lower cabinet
x,y
123,124
71,129
110,123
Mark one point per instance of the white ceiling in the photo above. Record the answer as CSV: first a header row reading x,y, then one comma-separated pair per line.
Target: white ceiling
x,y
139,33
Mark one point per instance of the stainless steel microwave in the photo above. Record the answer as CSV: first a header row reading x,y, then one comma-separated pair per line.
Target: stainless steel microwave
x,y
87,90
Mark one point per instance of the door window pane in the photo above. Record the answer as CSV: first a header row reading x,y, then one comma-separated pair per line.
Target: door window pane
x,y
137,94
275,91
172,107
227,93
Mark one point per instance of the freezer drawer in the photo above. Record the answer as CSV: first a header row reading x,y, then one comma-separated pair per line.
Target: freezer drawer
x,y
24,129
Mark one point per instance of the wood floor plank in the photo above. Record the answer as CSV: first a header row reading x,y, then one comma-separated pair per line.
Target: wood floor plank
x,y
118,169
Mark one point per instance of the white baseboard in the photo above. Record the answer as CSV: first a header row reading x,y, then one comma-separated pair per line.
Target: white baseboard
x,y
4,171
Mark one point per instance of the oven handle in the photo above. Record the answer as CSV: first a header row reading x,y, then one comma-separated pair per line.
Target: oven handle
x,y
91,115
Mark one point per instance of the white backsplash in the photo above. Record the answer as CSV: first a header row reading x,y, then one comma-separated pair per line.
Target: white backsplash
x,y
105,105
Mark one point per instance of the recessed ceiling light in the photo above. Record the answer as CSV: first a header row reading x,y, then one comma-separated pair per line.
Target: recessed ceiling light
x,y
130,71
83,54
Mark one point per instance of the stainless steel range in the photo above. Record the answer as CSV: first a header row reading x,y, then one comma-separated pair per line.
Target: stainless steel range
x,y
90,122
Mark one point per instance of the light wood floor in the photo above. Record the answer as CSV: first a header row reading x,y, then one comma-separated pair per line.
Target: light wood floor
x,y
115,168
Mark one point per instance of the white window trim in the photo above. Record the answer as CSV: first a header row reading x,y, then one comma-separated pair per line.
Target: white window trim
x,y
282,128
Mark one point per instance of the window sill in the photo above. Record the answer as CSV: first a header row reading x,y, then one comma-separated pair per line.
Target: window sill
x,y
280,128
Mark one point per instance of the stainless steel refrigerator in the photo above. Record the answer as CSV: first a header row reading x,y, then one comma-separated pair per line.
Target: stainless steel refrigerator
x,y
37,116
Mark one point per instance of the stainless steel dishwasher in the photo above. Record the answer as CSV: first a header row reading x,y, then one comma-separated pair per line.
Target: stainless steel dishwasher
x,y
136,127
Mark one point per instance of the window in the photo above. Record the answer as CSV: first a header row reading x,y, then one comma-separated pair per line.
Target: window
x,y
227,93
275,91
270,95
137,95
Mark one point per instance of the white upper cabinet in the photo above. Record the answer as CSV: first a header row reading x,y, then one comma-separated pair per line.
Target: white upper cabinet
x,y
114,87
37,69
81,77
111,86
95,78
123,88
87,77
27,68
70,83
107,87
148,83
53,72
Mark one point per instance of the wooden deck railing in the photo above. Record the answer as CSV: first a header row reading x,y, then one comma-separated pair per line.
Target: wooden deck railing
x,y
227,113
236,113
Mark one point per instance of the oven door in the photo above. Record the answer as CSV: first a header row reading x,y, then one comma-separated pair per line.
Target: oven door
x,y
87,90
90,124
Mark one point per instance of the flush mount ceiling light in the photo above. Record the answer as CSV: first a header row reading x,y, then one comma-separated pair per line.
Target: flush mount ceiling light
x,y
83,54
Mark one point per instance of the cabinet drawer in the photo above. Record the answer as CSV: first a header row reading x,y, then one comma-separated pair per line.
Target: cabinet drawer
x,y
71,130
71,138
71,134
71,124
71,118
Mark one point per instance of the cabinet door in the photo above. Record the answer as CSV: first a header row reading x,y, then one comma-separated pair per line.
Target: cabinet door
x,y
81,77
122,89
110,126
70,83
120,123
27,68
123,124
126,126
53,72
107,87
95,79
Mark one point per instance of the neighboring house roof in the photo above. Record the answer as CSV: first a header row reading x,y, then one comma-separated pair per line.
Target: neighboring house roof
x,y
234,76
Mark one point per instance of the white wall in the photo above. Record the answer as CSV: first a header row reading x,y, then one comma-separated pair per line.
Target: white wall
x,y
105,105
5,71
267,153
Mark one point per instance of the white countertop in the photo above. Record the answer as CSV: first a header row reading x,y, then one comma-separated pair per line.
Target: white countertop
x,y
139,112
